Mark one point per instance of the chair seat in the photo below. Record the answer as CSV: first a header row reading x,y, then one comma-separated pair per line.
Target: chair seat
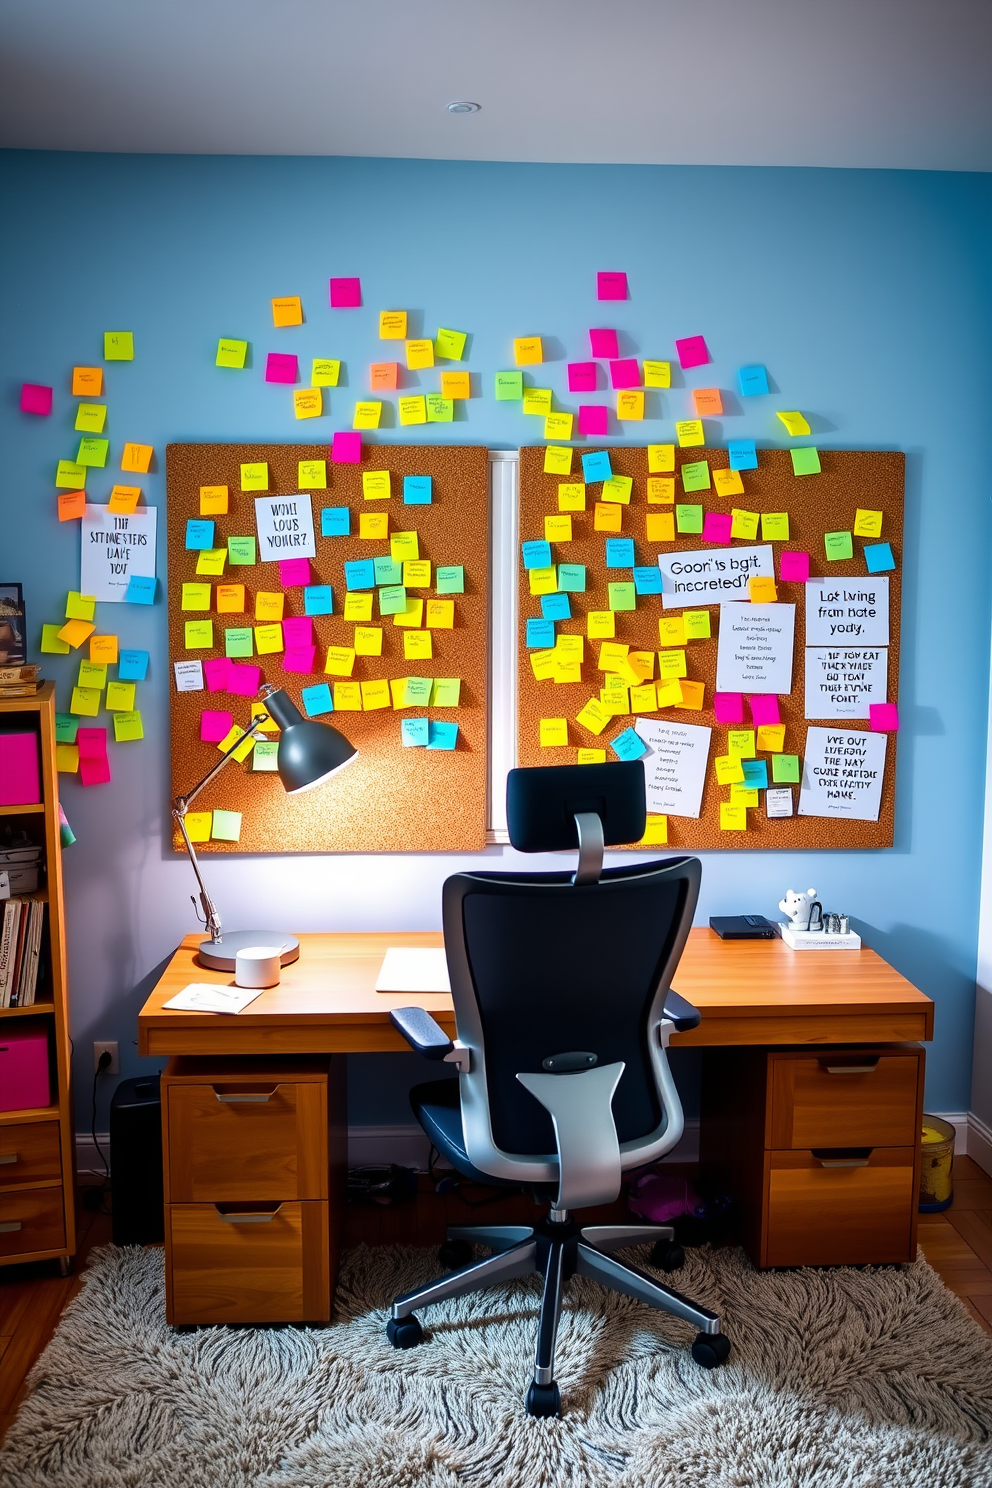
x,y
436,1107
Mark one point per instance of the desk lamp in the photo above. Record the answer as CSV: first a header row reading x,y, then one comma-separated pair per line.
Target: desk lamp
x,y
309,754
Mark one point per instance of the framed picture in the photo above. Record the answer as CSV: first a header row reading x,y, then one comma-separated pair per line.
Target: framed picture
x,y
13,630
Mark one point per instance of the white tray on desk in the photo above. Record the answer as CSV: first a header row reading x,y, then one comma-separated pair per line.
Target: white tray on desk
x,y
818,940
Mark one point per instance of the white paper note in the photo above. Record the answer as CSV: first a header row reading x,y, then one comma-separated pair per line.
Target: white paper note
x,y
189,676
842,774
702,576
847,612
675,765
754,652
114,549
413,969
842,683
212,997
285,527
778,801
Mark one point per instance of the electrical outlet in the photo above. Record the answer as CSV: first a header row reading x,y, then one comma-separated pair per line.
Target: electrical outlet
x,y
114,1067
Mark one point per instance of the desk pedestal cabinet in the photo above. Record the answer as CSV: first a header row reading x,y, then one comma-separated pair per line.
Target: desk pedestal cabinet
x,y
819,1148
253,1159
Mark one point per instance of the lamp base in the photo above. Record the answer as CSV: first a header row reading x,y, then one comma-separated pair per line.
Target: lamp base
x,y
221,955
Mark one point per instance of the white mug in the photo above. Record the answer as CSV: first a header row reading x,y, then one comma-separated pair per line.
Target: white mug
x,y
257,966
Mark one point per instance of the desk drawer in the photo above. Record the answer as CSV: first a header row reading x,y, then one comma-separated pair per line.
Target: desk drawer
x,y
30,1154
843,1099
244,1263
247,1139
839,1215
31,1219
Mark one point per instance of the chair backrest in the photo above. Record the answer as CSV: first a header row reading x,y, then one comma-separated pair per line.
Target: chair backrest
x,y
540,966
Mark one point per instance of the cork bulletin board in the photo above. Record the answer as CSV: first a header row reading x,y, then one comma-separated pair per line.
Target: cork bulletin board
x,y
816,505
392,798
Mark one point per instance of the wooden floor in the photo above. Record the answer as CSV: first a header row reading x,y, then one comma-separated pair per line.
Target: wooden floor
x,y
957,1243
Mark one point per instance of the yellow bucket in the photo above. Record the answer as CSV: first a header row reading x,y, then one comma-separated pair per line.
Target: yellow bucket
x,y
937,1141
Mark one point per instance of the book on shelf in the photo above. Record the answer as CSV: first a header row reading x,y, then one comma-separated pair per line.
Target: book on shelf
x,y
9,675
20,951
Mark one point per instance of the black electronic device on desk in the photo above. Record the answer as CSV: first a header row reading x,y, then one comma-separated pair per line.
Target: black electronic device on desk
x,y
743,927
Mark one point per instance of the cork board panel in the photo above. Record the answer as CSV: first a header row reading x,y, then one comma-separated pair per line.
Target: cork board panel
x,y
816,504
391,798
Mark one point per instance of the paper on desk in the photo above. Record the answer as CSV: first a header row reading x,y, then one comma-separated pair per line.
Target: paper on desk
x,y
208,997
420,969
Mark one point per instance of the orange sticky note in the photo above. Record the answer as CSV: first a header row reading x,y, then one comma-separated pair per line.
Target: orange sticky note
x,y
103,648
692,694
440,614
124,498
137,458
213,501
455,385
661,490
727,482
268,605
384,377
607,517
762,590
707,401
630,404
527,350
660,527
75,632
287,311
374,526
71,504
87,381
230,599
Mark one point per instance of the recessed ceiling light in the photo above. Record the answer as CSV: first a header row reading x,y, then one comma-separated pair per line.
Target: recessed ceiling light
x,y
462,106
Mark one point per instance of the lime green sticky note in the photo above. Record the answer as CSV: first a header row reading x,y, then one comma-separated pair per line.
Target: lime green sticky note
x,y
440,410
838,545
70,476
324,372
79,606
785,769
211,561
446,692
622,596
451,579
120,697
450,344
196,596
509,387
128,726
226,826
240,550
239,640
199,635
118,346
775,526
689,518
392,599
92,451
255,476
91,417
697,624
805,461
417,690
231,353
696,477
85,701
92,674
265,755
50,642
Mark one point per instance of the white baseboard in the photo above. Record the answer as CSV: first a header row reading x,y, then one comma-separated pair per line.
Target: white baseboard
x,y
980,1142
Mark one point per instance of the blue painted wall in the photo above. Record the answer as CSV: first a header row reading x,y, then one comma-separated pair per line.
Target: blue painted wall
x,y
866,294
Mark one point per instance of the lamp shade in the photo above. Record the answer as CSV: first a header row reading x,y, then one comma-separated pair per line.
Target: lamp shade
x,y
309,752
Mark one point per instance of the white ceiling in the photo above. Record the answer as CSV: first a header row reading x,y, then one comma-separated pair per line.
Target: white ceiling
x,y
900,83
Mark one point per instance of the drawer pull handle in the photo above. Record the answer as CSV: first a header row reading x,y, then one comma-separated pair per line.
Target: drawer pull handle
x,y
10,1226
842,1157
245,1099
251,1218
9,1157
851,1069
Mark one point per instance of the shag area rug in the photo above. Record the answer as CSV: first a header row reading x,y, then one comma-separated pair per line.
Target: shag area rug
x,y
873,1378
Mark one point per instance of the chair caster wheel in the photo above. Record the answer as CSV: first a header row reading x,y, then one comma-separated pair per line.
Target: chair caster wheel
x,y
543,1400
710,1349
667,1255
404,1333
454,1254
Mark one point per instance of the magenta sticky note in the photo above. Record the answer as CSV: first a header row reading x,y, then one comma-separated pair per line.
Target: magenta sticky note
x,y
281,366
244,679
604,343
611,286
92,743
793,567
625,373
593,418
294,572
297,630
299,659
346,294
716,527
35,398
692,351
346,448
764,708
94,771
883,717
215,724
728,707
217,673
19,779
582,377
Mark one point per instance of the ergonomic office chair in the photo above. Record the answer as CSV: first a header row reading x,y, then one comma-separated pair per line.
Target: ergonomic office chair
x,y
563,1008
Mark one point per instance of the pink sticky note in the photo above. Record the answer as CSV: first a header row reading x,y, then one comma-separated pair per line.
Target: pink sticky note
x,y
582,377
92,743
625,373
281,366
35,398
215,724
299,659
294,572
593,418
94,771
19,781
883,717
716,527
692,351
244,679
794,567
346,448
346,294
764,708
611,286
604,344
297,630
729,707
217,673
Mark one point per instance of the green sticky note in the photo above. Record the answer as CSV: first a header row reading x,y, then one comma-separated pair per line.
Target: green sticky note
x,y
120,697
450,344
128,726
118,346
265,755
775,526
240,550
65,728
417,691
838,545
572,578
92,451
91,417
79,606
805,461
92,674
255,476
226,826
622,596
239,641
392,600
689,518
324,372
199,635
231,353
52,646
697,624
785,769
696,476
509,387
439,410
450,580
386,571
70,476
446,692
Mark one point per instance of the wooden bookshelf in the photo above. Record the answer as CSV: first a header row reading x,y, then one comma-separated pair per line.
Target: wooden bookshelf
x,y
37,1187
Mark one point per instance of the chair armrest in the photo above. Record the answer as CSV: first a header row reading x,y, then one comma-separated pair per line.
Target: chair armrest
x,y
421,1032
680,1012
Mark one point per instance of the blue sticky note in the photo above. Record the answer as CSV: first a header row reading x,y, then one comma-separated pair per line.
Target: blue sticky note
x,y
317,699
536,554
743,455
755,774
556,607
318,599
647,580
629,745
132,666
596,466
414,731
417,490
387,571
572,578
620,552
442,735
335,521
199,534
753,379
878,557
360,574
140,590
540,634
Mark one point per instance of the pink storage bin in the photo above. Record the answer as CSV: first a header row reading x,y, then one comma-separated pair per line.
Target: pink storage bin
x,y
19,781
24,1078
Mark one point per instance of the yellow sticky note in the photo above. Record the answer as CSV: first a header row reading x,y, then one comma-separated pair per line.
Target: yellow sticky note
x,y
308,402
243,750
590,757
92,674
697,625
118,346
419,354
67,758
87,382
196,596
358,606
199,635
128,726
79,606
375,695
661,490
618,489
558,529
311,475
417,573
104,648
231,353
287,310
214,501
661,458
392,325
403,545
630,404
413,615
347,697
340,661
120,697
542,664
324,372
743,523
771,737
85,701
268,639
527,350
743,795
775,526
671,630
418,645
211,561
554,732
729,770
455,385
373,526
643,699
740,742
69,476
124,499
376,485
692,694
655,827
440,614
671,664
572,496
137,458
601,624
255,476
368,640
558,461
449,343
690,432
537,401
593,716
543,580
794,422
75,632
728,483
761,590
230,599
607,518
367,415
615,698
558,426
269,604
197,824
91,417
867,523
412,410
732,818
660,527
612,655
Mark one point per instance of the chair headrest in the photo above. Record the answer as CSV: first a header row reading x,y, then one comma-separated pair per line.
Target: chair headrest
x,y
542,804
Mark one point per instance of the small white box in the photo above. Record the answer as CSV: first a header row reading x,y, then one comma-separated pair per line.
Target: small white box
x,y
818,940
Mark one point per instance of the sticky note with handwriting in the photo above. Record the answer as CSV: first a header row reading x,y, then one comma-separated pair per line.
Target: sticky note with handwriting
x,y
793,421
316,700
689,432
325,372
137,458
345,293
785,769
366,416
71,504
838,546
287,310
281,366
745,524
450,344
728,707
793,567
255,475
611,285
728,483
92,451
118,346
687,518
377,485
692,351
867,523
412,410
231,353
775,526
308,402
742,454
761,589
581,377
456,385
707,401
509,387
752,380
439,410
91,417
661,458
214,501
230,599
630,405
392,325
657,374
87,382
732,818
419,354
527,351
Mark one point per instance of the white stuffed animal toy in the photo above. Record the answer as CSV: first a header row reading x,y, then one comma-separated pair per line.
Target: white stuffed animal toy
x,y
797,907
